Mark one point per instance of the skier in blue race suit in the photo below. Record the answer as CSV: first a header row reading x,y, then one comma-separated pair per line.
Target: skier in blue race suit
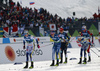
x,y
55,48
29,49
87,34
85,43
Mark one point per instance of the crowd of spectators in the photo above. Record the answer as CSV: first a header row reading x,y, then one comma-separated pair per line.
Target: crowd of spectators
x,y
28,17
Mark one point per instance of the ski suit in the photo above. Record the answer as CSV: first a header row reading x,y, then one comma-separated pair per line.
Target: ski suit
x,y
29,49
56,46
85,43
64,42
87,35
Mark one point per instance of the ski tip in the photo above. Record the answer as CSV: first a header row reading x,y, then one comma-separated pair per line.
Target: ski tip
x,y
68,52
16,63
73,59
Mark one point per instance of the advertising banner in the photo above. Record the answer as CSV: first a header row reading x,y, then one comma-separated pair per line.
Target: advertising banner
x,y
11,49
11,53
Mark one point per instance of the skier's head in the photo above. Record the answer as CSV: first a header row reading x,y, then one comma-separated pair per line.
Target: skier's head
x,y
26,34
52,33
61,30
83,28
79,39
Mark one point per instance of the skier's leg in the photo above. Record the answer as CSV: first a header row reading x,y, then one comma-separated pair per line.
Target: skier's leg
x,y
53,56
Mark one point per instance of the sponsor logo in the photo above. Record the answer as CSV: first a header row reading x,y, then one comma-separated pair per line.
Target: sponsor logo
x,y
38,52
10,54
23,52
15,40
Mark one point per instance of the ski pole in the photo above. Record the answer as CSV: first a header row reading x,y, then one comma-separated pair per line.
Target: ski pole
x,y
97,49
95,53
47,45
71,40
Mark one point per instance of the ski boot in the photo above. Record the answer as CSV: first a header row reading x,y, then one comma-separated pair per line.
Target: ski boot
x,y
80,62
84,61
65,60
31,65
61,61
57,64
89,59
52,63
26,65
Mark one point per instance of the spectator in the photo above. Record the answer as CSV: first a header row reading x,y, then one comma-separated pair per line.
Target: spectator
x,y
45,33
17,35
26,17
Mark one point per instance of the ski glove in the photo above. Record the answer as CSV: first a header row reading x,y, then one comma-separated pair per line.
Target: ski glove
x,y
38,46
24,47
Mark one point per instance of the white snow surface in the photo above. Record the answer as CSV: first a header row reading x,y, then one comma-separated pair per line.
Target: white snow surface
x,y
72,65
65,8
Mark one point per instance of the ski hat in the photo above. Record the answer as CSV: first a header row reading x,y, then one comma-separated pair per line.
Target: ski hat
x,y
83,27
25,32
61,29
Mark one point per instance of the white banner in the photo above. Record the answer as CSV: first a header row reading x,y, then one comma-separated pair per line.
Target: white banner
x,y
16,40
1,40
41,30
11,53
43,39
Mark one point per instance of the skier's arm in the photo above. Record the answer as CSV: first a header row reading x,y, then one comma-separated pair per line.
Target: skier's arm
x,y
81,40
24,43
81,34
36,42
91,35
68,38
58,41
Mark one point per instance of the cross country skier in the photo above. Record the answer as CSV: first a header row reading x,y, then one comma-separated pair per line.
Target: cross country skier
x,y
85,43
29,49
55,48
86,33
64,42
